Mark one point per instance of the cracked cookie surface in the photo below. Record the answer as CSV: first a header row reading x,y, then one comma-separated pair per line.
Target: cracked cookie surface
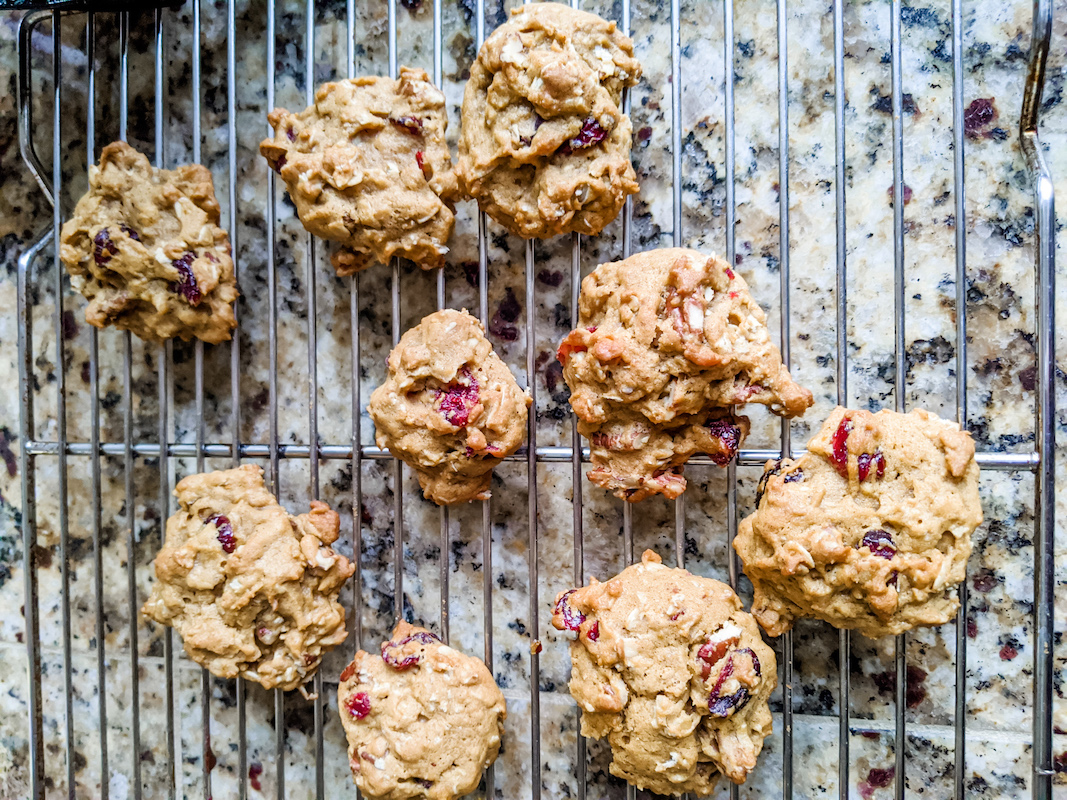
x,y
368,167
144,247
870,530
423,720
450,408
251,589
669,668
666,341
545,146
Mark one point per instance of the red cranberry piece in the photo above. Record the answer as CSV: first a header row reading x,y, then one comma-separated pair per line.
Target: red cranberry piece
x,y
129,231
103,247
711,654
572,618
590,135
254,771
277,165
729,437
865,461
358,705
393,655
594,632
730,273
412,125
979,114
348,672
755,660
794,476
724,706
290,133
420,160
458,398
880,543
839,455
226,537
765,478
186,285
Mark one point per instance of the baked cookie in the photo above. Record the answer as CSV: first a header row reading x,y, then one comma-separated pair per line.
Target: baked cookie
x,y
870,530
450,408
368,166
545,146
668,667
422,720
251,590
667,340
145,248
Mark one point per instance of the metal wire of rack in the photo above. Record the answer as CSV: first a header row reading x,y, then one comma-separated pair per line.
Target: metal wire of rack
x,y
32,270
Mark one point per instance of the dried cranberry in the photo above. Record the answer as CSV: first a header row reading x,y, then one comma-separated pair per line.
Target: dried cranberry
x,y
358,705
880,543
186,285
979,114
590,135
226,537
839,454
864,462
290,133
755,659
567,349
103,247
594,632
730,273
712,653
765,478
419,160
412,125
129,231
722,706
254,771
392,655
729,437
794,476
348,672
457,399
425,784
572,618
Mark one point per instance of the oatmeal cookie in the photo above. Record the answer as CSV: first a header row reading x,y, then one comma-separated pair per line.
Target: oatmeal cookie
x,y
450,407
666,341
423,720
545,146
870,530
145,248
368,166
668,667
251,590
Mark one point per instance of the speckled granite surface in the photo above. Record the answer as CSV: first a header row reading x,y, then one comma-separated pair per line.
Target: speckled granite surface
x,y
1000,364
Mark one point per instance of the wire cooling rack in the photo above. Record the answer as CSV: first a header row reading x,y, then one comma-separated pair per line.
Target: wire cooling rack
x,y
135,445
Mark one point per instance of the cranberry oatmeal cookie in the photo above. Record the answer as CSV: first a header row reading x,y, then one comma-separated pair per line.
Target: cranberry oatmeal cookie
x,y
368,166
251,589
423,720
668,667
545,146
667,341
450,408
870,530
145,248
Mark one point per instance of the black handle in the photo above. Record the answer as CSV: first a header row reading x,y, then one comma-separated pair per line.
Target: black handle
x,y
87,5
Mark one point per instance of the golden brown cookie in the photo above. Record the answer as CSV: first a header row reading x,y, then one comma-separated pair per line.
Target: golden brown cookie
x,y
450,408
423,720
251,590
368,166
870,530
668,667
666,341
545,146
145,248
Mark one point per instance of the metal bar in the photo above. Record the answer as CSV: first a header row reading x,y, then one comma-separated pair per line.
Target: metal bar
x,y
844,636
531,487
959,189
676,165
272,298
127,461
900,643
29,154
783,260
1045,405
999,462
487,518
235,344
28,481
357,411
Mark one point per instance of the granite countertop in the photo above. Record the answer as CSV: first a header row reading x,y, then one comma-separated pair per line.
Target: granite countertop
x,y
1000,376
